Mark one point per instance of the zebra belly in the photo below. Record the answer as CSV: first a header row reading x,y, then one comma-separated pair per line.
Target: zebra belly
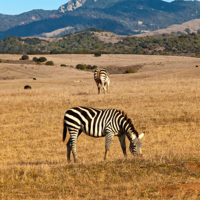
x,y
95,134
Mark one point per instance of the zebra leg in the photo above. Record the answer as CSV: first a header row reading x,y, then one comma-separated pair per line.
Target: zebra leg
x,y
74,138
69,149
108,87
123,144
109,137
99,90
104,87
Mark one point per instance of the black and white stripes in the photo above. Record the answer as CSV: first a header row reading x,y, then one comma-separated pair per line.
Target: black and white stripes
x,y
102,79
100,123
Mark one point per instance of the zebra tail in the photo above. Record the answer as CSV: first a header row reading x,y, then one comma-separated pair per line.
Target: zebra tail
x,y
64,130
98,75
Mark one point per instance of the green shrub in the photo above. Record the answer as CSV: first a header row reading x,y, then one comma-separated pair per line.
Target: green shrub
x,y
42,59
89,66
129,71
35,59
97,54
49,63
94,67
1,61
38,62
63,65
81,66
24,57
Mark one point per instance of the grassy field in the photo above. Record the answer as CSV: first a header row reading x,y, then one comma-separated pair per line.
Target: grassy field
x,y
162,99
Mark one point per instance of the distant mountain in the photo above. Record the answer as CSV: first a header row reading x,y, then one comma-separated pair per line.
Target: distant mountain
x,y
71,5
119,16
9,21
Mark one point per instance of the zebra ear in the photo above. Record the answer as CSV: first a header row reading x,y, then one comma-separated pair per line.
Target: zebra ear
x,y
141,135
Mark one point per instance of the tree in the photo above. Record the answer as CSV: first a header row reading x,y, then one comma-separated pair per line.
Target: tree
x,y
42,59
24,57
187,30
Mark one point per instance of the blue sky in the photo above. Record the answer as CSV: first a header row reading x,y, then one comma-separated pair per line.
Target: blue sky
x,y
13,7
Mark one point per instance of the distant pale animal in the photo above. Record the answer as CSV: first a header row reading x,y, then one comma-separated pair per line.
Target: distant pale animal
x,y
102,79
27,87
100,123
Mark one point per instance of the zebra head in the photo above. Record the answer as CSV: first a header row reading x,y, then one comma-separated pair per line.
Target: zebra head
x,y
136,145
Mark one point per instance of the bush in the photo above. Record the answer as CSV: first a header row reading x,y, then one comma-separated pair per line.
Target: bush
x,y
42,59
63,65
35,59
1,61
129,71
97,54
38,62
49,63
89,66
24,57
94,67
81,66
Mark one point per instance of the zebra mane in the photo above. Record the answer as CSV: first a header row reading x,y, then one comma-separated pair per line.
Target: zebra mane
x,y
124,114
129,121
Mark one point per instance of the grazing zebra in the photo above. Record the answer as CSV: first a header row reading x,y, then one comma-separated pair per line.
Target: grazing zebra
x,y
100,123
102,78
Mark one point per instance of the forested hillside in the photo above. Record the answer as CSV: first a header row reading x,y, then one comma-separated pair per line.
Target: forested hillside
x,y
88,42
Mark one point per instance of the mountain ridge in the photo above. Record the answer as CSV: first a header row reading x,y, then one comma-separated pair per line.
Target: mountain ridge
x,y
119,16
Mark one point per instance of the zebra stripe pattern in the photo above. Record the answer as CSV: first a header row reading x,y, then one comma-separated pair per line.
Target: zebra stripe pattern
x,y
100,123
102,79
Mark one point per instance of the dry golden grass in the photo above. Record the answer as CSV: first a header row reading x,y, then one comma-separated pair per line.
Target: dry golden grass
x,y
163,99
103,60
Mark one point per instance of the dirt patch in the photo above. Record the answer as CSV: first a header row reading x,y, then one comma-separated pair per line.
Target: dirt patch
x,y
179,190
193,167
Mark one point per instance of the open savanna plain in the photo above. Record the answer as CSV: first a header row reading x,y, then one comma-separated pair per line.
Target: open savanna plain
x,y
162,99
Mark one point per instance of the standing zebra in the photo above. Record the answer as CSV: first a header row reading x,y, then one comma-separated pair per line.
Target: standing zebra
x,y
102,78
100,123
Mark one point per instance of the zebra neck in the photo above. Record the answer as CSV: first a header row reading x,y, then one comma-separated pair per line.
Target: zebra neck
x,y
129,129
